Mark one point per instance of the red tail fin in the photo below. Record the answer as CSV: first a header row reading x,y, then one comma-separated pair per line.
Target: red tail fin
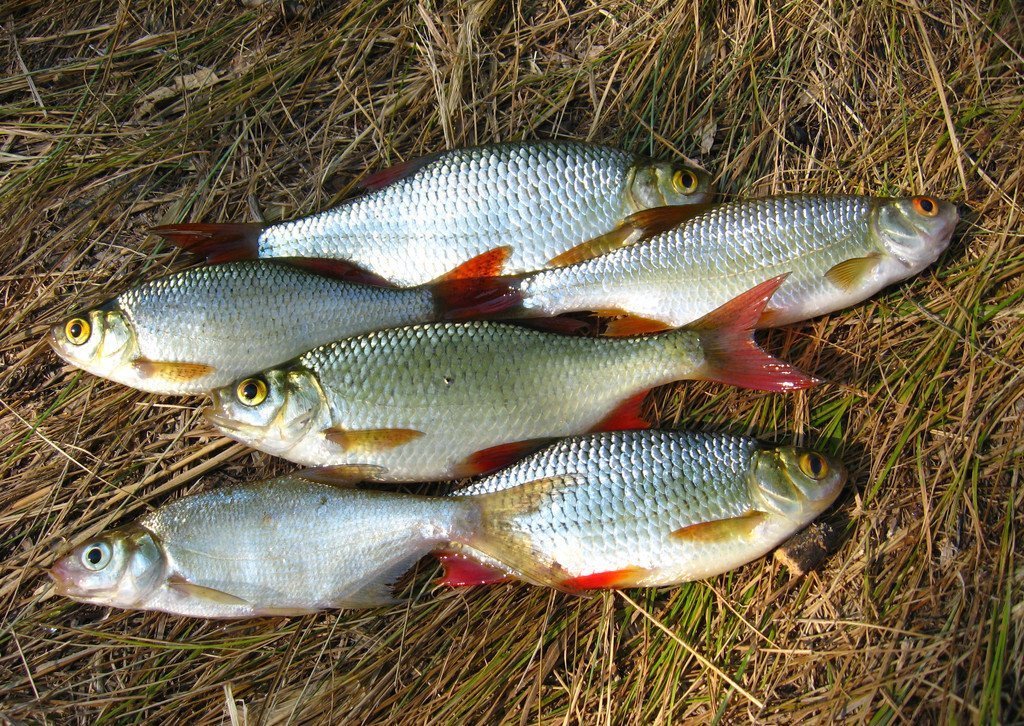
x,y
733,357
215,242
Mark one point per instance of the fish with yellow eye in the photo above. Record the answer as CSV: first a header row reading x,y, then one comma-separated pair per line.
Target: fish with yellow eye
x,y
608,510
426,216
192,331
666,267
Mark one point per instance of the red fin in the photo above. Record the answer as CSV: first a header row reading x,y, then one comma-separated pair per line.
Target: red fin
x,y
626,415
215,242
401,170
338,269
561,324
599,580
630,325
478,297
463,571
499,456
732,355
488,264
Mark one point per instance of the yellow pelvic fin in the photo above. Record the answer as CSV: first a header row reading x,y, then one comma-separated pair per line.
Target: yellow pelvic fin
x,y
720,530
849,273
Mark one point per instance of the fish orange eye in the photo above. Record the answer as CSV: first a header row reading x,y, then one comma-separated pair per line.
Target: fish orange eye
x,y
252,391
814,465
684,181
926,206
77,330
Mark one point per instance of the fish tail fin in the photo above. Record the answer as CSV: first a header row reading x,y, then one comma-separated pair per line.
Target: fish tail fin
x,y
732,356
215,242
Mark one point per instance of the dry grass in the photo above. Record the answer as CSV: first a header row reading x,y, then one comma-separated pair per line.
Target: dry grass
x,y
115,117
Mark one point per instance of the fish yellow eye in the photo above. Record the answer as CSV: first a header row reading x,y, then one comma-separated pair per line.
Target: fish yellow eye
x,y
684,181
925,206
252,391
814,465
96,556
77,330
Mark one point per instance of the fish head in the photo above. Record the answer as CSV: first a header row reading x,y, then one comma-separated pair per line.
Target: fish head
x,y
914,231
661,183
101,341
121,568
274,409
796,483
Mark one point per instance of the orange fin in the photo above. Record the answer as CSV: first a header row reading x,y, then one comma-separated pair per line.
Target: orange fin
x,y
342,475
497,457
401,170
487,264
634,228
561,324
370,439
720,530
769,318
215,242
732,355
630,325
463,571
848,273
338,269
171,371
626,415
625,577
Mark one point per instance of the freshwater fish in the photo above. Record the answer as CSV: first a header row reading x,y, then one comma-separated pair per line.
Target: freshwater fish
x,y
838,250
423,217
192,331
449,400
620,509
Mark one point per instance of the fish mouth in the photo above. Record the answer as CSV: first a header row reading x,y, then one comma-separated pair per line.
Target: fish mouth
x,y
225,424
54,341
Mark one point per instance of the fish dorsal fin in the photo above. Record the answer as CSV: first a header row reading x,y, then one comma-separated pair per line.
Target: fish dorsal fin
x,y
487,264
636,227
215,242
720,530
339,270
849,273
204,594
401,170
498,457
171,371
369,440
341,475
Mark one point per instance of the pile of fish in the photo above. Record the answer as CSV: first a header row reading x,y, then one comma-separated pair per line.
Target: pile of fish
x,y
498,312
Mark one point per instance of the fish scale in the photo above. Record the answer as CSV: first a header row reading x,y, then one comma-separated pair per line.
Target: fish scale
x,y
540,197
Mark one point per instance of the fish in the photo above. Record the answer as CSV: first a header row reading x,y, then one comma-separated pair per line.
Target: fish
x,y
449,400
652,275
606,510
423,217
192,331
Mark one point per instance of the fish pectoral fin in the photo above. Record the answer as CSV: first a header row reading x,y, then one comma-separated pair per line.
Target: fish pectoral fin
x,y
721,530
849,273
205,594
171,371
634,228
369,440
342,475
497,457
626,577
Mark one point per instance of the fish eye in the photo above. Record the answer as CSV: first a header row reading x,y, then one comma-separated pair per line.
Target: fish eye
x,y
684,181
814,465
252,391
96,556
925,206
77,330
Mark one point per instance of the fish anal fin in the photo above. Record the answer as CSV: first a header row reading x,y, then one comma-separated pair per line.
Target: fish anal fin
x,y
848,274
732,356
369,440
215,242
626,577
626,416
339,270
401,170
205,594
461,570
720,530
636,227
171,371
498,457
630,325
